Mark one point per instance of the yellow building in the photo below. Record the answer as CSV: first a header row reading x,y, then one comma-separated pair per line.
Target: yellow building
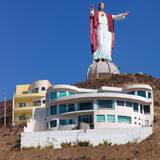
x,y
28,97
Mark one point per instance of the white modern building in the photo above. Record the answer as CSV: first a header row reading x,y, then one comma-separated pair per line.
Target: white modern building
x,y
107,113
69,107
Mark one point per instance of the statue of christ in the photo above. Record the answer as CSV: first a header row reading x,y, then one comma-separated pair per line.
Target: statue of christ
x,y
102,32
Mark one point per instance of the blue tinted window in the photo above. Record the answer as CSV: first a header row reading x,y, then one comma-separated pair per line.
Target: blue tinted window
x,y
53,123
111,118
85,106
53,95
71,93
85,119
141,93
135,106
132,93
71,121
53,110
129,104
124,119
100,118
62,122
71,108
47,97
147,109
109,104
120,103
149,95
62,93
62,108
141,108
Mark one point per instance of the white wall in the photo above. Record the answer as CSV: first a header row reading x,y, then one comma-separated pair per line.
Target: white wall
x,y
39,122
96,136
119,110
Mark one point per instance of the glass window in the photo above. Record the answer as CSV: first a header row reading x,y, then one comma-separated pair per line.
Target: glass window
x,y
37,103
35,90
71,121
135,107
62,122
71,93
147,109
100,118
47,97
53,123
62,93
129,104
120,103
141,108
53,110
85,106
85,119
62,108
111,118
124,119
71,108
132,93
22,104
141,93
53,95
109,104
149,95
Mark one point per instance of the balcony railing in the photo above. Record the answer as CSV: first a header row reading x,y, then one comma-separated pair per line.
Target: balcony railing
x,y
28,93
27,105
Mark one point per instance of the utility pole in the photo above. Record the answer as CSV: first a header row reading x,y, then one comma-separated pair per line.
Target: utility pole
x,y
5,109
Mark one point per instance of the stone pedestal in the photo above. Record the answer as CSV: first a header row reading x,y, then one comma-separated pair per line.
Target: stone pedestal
x,y
101,68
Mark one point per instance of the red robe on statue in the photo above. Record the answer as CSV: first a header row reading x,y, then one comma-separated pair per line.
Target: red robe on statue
x,y
94,23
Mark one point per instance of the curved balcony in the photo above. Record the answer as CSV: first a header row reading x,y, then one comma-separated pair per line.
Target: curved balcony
x,y
26,106
29,96
91,96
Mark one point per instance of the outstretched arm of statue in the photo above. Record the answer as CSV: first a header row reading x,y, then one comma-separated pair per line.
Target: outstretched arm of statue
x,y
120,16
92,11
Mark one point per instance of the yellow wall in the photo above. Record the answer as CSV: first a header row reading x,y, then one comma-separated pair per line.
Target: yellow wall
x,y
22,88
27,98
23,112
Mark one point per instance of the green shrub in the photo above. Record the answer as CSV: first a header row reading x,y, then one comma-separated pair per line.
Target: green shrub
x,y
48,146
39,147
105,143
83,143
66,144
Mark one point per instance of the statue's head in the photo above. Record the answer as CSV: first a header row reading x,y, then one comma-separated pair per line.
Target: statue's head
x,y
101,6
